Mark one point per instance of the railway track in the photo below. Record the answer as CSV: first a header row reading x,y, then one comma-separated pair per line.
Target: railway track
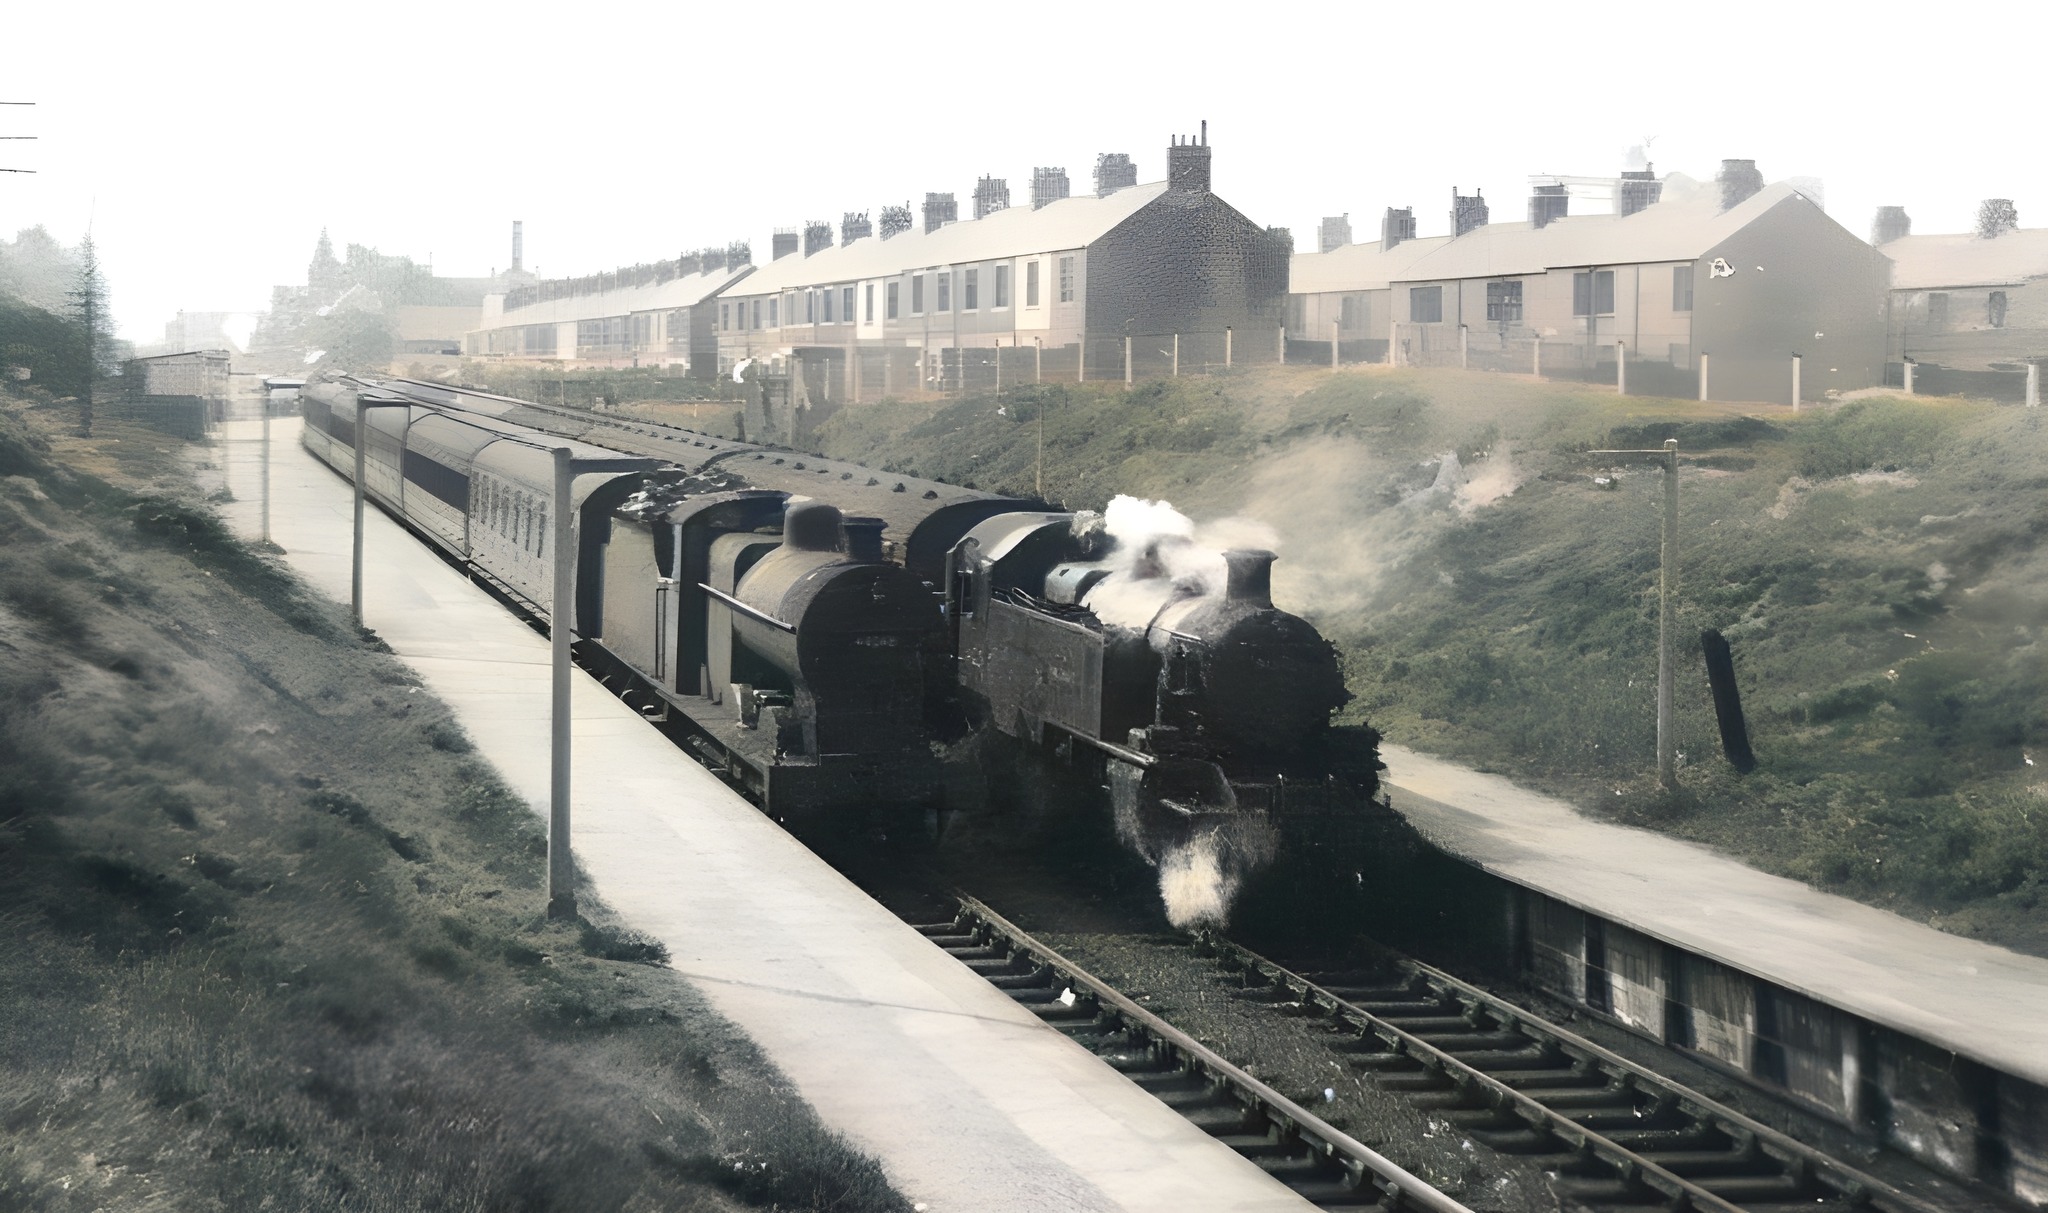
x,y
1323,1164
1613,1134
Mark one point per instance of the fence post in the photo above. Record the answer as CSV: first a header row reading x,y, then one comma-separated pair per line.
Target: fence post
x,y
1081,362
1281,345
1537,348
1464,347
2033,386
1621,368
999,364
1909,376
1127,361
1706,363
1176,355
1038,360
1334,345
1795,383
888,373
1226,347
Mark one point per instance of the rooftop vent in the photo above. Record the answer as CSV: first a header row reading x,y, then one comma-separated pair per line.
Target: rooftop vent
x,y
1187,162
896,220
1114,171
939,210
1048,185
1467,213
1333,233
991,194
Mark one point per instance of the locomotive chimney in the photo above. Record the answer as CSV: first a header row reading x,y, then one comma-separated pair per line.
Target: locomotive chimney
x,y
1251,576
864,539
811,526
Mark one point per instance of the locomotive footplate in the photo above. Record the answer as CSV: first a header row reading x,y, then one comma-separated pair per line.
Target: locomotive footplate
x,y
796,787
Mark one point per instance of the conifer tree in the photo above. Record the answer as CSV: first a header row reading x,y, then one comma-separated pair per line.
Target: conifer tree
x,y
89,308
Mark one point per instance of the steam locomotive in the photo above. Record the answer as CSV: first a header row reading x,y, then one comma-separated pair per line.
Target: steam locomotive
x,y
814,655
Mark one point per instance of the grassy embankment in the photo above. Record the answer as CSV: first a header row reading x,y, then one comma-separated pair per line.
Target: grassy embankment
x,y
271,937
1877,567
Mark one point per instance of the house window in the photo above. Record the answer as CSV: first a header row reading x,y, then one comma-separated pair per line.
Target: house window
x,y
1002,286
946,291
757,313
725,315
1504,302
868,300
810,307
1593,293
890,292
1681,288
846,305
774,306
1426,304
917,294
825,306
1937,308
1031,284
1347,312
1066,280
970,290
1996,309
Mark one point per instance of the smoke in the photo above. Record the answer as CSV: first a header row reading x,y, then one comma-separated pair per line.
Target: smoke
x,y
1160,554
1496,477
1195,884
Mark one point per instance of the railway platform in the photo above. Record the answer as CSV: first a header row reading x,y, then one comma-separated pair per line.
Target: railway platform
x,y
970,1103
1936,1043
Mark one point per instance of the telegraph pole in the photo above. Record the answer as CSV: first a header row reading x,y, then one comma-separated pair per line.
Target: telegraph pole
x,y
1667,606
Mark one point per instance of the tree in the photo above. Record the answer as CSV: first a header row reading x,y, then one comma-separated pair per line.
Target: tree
x,y
1996,215
324,272
89,308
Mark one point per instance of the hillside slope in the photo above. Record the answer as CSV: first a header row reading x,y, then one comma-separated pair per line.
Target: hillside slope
x,y
1877,568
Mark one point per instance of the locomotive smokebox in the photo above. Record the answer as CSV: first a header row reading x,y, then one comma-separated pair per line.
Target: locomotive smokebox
x,y
811,526
864,539
1251,576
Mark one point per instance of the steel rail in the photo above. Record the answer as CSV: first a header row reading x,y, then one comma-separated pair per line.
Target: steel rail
x,y
1793,1157
1401,1188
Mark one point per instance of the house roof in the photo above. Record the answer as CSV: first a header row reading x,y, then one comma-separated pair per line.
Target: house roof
x,y
687,291
1678,229
1016,231
1929,262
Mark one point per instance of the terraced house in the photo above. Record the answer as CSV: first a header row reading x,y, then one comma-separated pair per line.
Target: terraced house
x,y
1052,289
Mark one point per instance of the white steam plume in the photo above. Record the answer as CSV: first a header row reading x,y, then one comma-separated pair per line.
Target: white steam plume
x,y
1161,552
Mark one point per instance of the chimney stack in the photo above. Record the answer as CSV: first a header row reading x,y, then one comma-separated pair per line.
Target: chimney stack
x,y
1114,171
939,210
1398,225
1739,182
817,236
785,242
518,245
863,538
1251,576
1892,223
991,194
854,225
1548,202
1334,233
1639,189
1048,185
1468,214
896,220
712,259
1187,162
738,253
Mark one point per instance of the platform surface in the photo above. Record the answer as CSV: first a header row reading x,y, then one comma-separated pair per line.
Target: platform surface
x,y
970,1103
1972,998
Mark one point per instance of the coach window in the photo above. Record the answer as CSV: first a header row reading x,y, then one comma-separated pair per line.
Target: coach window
x,y
917,294
890,300
946,291
846,305
1031,284
1002,285
970,290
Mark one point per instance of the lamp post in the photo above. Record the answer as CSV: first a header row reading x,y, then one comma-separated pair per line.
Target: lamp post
x,y
1667,590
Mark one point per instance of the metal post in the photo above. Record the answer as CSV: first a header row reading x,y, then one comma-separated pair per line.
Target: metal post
x,y
1705,364
1334,345
853,372
2033,385
355,577
266,466
1795,383
1537,347
561,614
1464,347
1621,368
1280,345
1127,361
1667,591
1176,355
1909,376
999,364
1081,362
1226,347
1038,360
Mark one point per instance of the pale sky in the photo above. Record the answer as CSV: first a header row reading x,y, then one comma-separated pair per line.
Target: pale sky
x,y
208,144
